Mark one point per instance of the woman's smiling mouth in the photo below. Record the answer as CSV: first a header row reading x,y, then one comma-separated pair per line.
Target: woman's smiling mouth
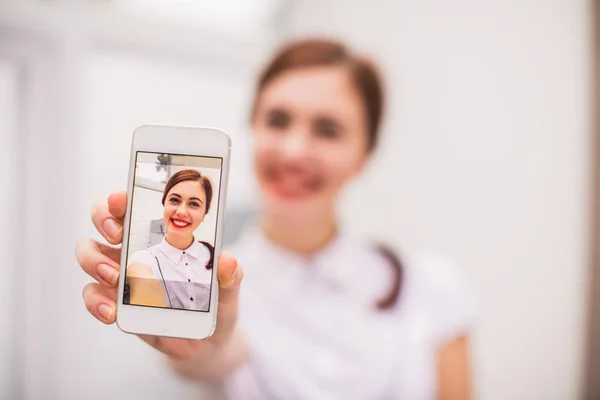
x,y
179,223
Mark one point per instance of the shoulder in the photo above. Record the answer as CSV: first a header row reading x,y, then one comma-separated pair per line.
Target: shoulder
x,y
440,290
357,262
206,247
142,263
139,270
438,274
143,256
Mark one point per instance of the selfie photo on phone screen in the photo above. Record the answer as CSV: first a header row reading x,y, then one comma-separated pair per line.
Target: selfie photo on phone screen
x,y
170,252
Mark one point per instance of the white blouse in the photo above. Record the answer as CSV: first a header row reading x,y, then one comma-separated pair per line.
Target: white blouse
x,y
314,331
186,278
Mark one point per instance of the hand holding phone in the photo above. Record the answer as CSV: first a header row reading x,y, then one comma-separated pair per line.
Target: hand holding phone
x,y
185,207
100,297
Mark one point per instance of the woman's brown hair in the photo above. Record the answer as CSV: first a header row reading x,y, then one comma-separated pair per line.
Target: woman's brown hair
x,y
365,77
311,53
189,175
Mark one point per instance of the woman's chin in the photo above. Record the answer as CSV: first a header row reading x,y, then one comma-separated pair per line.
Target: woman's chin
x,y
283,200
291,209
180,232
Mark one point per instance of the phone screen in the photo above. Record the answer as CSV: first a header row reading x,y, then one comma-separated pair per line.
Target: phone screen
x,y
172,231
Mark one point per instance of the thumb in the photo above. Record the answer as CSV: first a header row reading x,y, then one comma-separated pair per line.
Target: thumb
x,y
230,276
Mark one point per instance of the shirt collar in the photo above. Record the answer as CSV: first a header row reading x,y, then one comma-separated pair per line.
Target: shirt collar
x,y
175,255
333,264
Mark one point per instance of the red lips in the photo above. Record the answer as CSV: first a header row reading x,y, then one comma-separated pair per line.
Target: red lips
x,y
291,182
179,223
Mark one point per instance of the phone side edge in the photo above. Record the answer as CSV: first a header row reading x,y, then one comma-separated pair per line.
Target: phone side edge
x,y
126,227
223,187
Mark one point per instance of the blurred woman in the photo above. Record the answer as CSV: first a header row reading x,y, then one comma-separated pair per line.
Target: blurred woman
x,y
176,273
323,313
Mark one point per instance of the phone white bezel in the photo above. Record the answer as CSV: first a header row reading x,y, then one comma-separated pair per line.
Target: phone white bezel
x,y
207,142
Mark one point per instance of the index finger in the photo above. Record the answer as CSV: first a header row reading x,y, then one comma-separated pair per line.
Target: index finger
x,y
107,217
117,205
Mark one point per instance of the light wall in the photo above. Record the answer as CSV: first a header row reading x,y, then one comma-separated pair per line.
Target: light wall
x,y
485,159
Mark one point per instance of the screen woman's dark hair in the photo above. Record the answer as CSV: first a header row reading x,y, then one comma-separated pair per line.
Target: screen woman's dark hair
x,y
189,175
365,77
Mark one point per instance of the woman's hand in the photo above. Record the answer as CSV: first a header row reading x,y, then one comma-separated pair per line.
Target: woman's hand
x,y
101,262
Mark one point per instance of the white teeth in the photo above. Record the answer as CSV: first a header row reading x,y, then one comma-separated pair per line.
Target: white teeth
x,y
179,223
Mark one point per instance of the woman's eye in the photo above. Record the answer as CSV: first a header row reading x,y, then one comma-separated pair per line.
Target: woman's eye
x,y
327,129
278,119
174,200
194,204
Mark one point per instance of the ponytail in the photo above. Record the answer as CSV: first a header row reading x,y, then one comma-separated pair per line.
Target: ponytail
x,y
391,298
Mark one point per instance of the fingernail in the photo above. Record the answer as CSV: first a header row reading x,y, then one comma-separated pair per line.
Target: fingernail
x,y
111,228
235,271
108,273
228,282
105,311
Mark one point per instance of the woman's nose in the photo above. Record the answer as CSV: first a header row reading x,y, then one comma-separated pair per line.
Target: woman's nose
x,y
296,145
181,210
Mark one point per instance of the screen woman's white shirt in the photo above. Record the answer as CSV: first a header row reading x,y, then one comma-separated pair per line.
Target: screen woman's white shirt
x,y
183,273
314,332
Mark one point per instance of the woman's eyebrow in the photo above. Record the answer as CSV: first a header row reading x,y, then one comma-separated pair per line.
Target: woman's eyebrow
x,y
175,194
195,198
321,119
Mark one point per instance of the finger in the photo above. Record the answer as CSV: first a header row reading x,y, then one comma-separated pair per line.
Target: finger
x,y
109,225
100,302
99,261
117,204
230,275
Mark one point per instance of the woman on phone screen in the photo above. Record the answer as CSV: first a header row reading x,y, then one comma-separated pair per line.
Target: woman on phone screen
x,y
322,313
176,273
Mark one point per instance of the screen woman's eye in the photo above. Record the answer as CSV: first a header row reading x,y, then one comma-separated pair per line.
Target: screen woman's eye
x,y
278,119
195,204
174,200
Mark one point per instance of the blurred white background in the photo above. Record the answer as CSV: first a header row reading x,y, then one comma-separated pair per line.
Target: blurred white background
x,y
485,158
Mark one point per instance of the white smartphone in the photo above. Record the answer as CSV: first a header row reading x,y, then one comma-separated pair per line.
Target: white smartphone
x,y
173,231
